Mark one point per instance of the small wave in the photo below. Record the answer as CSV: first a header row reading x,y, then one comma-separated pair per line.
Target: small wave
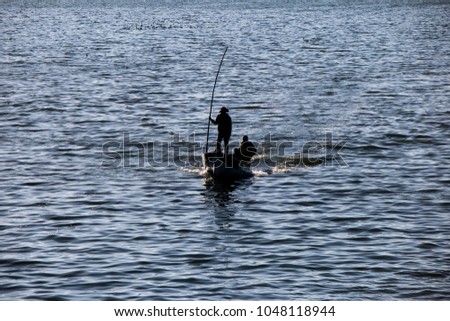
x,y
195,170
260,173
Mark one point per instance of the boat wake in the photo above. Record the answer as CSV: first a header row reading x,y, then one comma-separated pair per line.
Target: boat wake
x,y
262,165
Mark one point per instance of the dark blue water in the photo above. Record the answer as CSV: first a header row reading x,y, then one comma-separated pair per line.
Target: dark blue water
x,y
77,224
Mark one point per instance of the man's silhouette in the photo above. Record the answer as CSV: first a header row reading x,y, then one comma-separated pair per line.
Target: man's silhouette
x,y
224,124
246,150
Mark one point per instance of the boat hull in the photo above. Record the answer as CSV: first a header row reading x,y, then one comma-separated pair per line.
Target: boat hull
x,y
225,169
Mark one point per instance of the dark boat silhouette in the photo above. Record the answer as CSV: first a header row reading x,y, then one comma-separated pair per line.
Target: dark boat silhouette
x,y
225,168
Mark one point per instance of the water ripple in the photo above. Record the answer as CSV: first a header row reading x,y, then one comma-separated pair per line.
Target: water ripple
x,y
75,226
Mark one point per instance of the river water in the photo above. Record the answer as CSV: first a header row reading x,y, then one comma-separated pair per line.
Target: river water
x,y
104,109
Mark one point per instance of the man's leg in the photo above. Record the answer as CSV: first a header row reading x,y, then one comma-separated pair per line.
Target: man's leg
x,y
218,146
226,140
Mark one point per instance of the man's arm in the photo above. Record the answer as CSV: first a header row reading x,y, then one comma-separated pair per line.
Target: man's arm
x,y
213,121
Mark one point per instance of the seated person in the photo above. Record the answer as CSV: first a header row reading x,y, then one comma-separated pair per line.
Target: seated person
x,y
246,150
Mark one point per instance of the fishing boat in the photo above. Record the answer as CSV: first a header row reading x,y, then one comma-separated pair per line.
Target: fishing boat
x,y
221,168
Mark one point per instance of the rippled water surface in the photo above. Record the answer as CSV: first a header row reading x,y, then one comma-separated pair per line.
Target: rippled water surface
x,y
77,225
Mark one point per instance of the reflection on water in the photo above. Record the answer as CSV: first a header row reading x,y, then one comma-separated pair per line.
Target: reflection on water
x,y
221,199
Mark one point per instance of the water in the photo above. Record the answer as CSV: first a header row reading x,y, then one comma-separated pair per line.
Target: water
x,y
76,227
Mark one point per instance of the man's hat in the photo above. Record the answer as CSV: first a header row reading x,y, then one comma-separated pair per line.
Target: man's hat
x,y
224,110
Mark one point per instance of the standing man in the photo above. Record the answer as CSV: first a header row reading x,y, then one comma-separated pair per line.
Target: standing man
x,y
223,120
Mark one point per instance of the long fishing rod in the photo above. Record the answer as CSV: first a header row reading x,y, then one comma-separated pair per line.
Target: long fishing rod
x,y
212,99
